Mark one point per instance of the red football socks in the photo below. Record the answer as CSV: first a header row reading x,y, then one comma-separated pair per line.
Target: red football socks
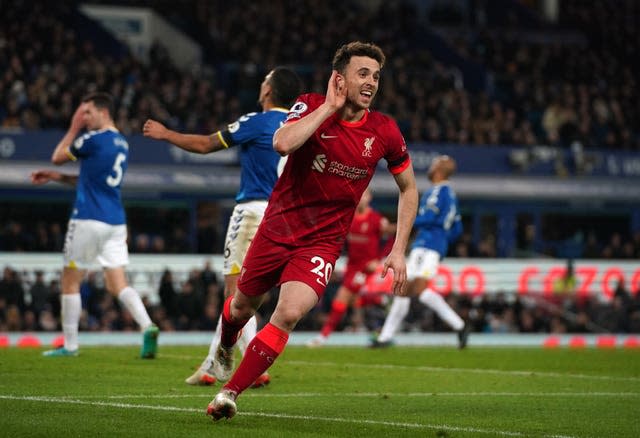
x,y
229,329
338,309
261,352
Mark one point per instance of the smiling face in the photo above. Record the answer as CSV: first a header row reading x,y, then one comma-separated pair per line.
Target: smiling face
x,y
362,76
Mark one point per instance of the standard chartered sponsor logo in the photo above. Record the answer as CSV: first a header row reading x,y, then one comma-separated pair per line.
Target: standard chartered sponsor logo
x,y
319,163
351,172
340,169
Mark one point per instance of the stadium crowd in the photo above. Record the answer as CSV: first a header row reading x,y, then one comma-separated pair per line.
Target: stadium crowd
x,y
576,87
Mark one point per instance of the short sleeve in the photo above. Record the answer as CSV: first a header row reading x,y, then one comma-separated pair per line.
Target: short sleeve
x,y
81,147
243,130
397,156
303,106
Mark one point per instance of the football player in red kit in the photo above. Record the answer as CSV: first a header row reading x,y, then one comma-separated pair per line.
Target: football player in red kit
x,y
334,143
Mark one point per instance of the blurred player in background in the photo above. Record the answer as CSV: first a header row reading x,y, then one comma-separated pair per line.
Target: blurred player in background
x,y
334,143
253,134
363,257
97,230
438,223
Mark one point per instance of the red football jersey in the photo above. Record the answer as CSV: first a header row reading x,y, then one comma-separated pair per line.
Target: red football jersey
x,y
363,240
316,196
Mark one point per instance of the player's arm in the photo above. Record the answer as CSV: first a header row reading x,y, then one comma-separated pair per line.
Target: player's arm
x,y
200,144
61,153
40,177
407,206
288,138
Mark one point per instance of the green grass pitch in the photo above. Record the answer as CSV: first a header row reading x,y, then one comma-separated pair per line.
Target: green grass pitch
x,y
329,392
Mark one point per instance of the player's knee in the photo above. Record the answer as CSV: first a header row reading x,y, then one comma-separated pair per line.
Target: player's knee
x,y
287,317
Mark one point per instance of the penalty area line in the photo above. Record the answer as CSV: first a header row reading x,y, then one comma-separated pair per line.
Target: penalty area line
x,y
445,427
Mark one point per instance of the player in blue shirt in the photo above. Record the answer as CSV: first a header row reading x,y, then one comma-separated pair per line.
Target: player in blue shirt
x,y
97,230
438,224
260,164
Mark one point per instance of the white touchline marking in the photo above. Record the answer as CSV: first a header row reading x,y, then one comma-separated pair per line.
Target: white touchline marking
x,y
363,395
530,373
268,415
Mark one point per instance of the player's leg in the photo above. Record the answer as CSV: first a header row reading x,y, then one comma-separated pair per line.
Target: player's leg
x,y
304,276
204,375
339,306
252,214
397,313
113,258
435,301
416,266
236,312
71,309
295,301
116,283
242,227
80,250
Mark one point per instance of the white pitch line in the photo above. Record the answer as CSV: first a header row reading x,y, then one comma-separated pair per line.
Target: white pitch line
x,y
530,373
364,395
283,416
455,370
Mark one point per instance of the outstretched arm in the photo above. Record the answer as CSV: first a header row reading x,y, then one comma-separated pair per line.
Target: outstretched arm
x,y
407,206
40,177
61,153
291,136
201,144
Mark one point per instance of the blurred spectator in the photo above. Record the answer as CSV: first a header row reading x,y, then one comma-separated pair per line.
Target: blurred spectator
x,y
168,294
39,293
11,289
189,306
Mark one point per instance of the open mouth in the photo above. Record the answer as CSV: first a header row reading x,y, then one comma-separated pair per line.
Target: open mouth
x,y
366,95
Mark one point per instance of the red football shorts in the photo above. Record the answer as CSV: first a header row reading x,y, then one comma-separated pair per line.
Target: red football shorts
x,y
269,264
354,279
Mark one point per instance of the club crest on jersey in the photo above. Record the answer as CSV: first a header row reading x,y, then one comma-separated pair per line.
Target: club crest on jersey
x,y
368,144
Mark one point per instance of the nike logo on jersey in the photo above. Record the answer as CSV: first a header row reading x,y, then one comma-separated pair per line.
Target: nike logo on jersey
x,y
323,135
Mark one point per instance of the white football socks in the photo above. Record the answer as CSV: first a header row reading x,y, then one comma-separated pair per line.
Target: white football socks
x,y
397,313
435,301
71,307
133,303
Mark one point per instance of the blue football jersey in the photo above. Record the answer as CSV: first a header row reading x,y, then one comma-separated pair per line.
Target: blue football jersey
x,y
253,133
438,221
103,159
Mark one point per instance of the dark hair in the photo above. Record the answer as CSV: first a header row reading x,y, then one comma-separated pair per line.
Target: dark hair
x,y
356,48
285,86
101,100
